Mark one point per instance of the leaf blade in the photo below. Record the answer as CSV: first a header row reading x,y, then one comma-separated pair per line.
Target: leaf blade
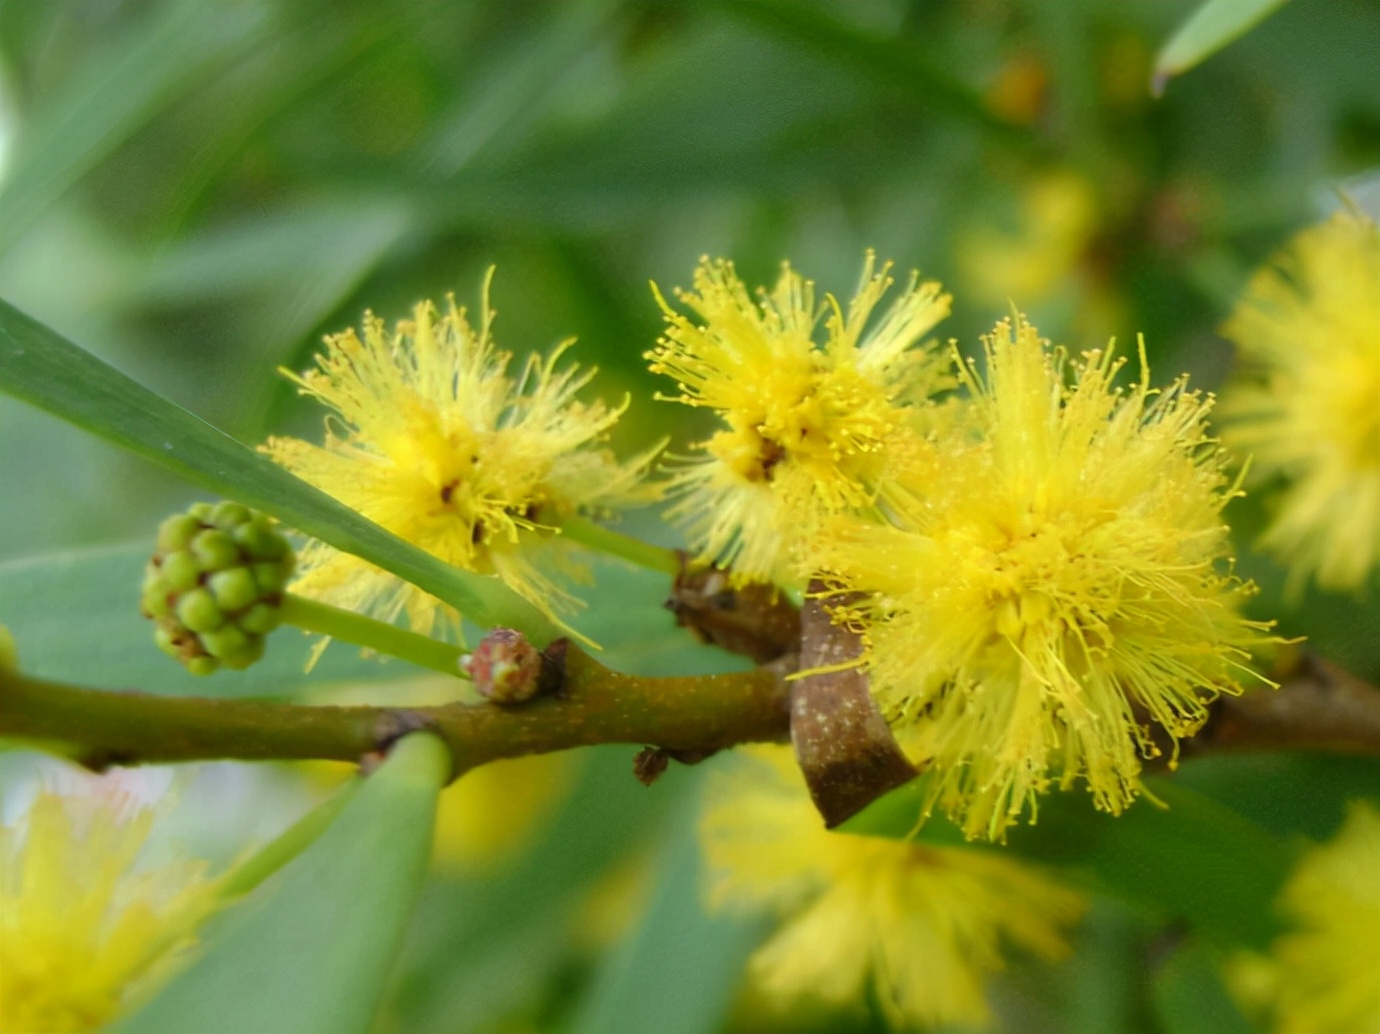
x,y
272,963
1207,30
43,368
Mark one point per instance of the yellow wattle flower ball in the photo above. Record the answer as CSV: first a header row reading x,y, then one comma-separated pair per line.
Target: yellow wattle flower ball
x,y
1306,406
85,935
1060,581
1323,977
920,926
808,428
432,438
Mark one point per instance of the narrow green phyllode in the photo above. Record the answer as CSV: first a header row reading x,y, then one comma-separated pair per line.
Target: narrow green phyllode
x,y
215,585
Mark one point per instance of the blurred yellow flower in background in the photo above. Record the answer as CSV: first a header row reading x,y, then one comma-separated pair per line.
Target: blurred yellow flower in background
x,y
493,810
1323,977
1057,219
431,437
809,428
921,926
85,933
1060,580
1306,405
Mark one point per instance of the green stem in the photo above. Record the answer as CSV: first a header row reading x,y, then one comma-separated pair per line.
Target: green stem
x,y
683,714
605,540
324,619
288,844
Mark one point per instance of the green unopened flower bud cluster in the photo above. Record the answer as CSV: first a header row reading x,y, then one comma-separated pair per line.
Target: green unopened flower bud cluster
x,y
215,584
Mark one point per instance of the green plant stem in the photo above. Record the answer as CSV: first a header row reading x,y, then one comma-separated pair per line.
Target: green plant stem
x,y
323,619
605,540
287,845
691,715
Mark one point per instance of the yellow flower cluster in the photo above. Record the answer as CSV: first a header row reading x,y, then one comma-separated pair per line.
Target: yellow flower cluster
x,y
922,927
85,933
810,430
431,437
1039,568
1307,402
1058,581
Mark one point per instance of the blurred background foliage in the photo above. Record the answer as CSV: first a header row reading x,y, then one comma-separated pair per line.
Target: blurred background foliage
x,y
197,191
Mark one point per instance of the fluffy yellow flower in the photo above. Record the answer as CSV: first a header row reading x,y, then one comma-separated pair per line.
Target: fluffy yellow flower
x,y
84,935
921,926
808,429
430,437
1307,404
1323,977
1062,578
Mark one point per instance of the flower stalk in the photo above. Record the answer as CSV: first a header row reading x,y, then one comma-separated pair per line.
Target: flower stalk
x,y
585,532
338,623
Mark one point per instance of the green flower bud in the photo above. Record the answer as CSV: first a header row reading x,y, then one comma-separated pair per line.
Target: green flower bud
x,y
260,542
260,619
228,516
215,550
215,585
180,572
198,611
272,577
234,589
224,643
176,532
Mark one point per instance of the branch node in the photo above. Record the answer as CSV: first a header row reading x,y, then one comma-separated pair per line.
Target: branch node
x,y
755,620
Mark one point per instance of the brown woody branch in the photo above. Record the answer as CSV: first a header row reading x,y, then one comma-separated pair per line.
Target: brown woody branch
x,y
592,705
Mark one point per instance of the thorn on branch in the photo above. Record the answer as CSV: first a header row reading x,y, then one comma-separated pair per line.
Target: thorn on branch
x,y
756,620
651,762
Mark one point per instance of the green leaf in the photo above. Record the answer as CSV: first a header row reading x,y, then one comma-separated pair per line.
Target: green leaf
x,y
1290,793
41,367
1208,29
153,64
678,970
897,63
483,945
1192,860
1189,997
312,948
75,618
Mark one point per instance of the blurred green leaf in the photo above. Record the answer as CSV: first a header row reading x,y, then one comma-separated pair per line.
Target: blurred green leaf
x,y
1100,985
45,369
677,972
75,618
1342,628
505,102
323,241
1189,996
901,64
1290,793
311,950
1208,29
486,942
153,64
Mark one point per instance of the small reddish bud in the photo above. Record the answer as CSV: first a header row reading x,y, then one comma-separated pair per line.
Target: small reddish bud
x,y
506,668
